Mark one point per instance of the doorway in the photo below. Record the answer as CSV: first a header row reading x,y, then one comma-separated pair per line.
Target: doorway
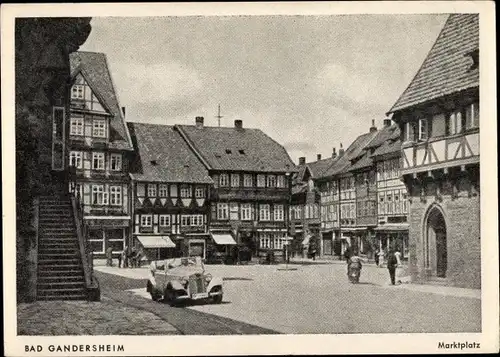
x,y
436,243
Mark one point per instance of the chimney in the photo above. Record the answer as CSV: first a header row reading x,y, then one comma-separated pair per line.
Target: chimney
x,y
123,111
341,150
387,122
302,160
373,128
199,122
318,157
238,124
334,153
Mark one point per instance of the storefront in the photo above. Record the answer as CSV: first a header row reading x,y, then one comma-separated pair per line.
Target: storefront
x,y
395,237
156,247
327,243
105,232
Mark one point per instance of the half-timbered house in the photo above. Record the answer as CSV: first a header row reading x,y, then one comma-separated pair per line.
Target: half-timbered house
x,y
252,176
438,115
99,151
170,189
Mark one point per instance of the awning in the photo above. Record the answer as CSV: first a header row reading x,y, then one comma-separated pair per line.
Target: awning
x,y
223,238
156,241
392,228
306,240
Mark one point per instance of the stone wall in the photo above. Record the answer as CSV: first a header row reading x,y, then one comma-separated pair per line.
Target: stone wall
x,y
42,74
458,199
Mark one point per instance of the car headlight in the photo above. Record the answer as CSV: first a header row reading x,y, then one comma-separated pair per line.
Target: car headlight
x,y
208,278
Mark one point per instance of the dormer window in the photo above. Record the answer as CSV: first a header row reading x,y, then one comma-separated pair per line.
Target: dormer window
x,y
474,55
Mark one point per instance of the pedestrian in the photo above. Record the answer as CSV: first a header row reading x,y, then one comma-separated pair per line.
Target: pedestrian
x,y
399,269
392,264
347,253
375,256
133,257
109,257
120,255
139,256
125,257
381,256
312,250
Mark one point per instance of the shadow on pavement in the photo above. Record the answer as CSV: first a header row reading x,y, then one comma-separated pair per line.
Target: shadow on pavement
x,y
236,278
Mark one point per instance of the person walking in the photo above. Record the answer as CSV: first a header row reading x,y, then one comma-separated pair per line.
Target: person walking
x,y
381,257
120,256
109,257
392,264
375,256
125,257
399,269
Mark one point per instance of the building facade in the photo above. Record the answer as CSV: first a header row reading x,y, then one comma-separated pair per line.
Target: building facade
x,y
438,115
252,184
99,149
170,189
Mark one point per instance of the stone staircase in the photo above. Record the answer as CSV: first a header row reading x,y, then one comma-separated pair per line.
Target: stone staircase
x,y
60,269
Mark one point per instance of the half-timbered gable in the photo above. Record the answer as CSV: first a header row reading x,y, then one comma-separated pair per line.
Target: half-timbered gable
x,y
99,151
438,115
171,189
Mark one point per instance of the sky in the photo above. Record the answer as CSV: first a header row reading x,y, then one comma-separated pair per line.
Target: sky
x,y
309,82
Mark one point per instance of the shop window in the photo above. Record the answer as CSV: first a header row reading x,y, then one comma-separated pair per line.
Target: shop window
x,y
115,239
96,239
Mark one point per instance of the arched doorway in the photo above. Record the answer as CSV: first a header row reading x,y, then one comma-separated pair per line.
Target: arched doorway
x,y
436,251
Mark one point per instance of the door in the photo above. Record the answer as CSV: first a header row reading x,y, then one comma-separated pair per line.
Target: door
x,y
436,249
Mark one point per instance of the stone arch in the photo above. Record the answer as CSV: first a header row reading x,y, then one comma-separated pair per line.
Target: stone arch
x,y
435,241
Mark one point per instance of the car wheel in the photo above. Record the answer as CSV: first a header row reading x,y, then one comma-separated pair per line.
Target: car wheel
x,y
217,299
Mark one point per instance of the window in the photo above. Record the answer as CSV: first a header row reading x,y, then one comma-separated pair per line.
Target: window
x,y
185,221
116,162
115,193
264,213
146,220
247,180
278,213
381,204
405,204
164,220
151,190
199,192
271,181
77,91
75,159
76,125
233,211
222,211
98,160
423,129
99,128
278,243
140,190
472,116
224,180
455,122
265,241
409,131
261,181
281,181
389,203
173,190
246,211
163,190
235,180
186,191
197,220
99,197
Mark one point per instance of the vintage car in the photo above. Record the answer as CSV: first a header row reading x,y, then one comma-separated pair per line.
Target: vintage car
x,y
181,279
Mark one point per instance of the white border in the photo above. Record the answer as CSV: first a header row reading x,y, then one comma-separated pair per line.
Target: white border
x,y
279,344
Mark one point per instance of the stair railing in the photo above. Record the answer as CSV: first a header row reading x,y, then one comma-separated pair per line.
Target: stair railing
x,y
86,253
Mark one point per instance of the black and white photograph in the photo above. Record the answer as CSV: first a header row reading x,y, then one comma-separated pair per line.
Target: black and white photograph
x,y
311,177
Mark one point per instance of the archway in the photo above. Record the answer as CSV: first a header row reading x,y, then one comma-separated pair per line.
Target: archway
x,y
436,243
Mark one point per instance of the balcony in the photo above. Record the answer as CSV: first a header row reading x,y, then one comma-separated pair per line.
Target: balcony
x,y
250,194
441,152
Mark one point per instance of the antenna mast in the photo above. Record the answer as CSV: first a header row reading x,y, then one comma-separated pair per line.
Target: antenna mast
x,y
218,116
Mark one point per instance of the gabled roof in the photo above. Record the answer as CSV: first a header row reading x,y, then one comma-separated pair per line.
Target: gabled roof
x,y
343,164
95,69
233,149
317,168
447,67
389,147
162,155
